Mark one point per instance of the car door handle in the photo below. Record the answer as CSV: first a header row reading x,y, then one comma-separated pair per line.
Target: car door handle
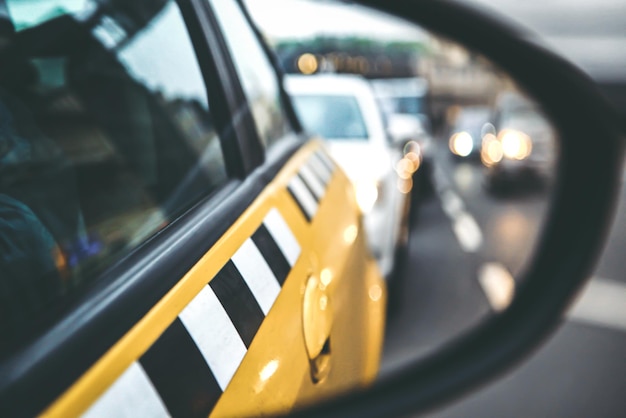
x,y
317,320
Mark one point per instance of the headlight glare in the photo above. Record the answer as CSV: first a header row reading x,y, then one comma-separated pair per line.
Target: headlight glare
x,y
461,144
516,145
491,151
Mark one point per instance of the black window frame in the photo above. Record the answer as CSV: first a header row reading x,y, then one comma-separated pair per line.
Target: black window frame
x,y
246,148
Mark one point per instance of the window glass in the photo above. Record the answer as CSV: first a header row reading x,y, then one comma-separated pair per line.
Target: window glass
x,y
332,117
255,71
408,105
106,136
28,13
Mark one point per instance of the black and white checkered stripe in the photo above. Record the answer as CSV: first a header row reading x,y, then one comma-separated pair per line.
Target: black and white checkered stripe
x,y
309,185
187,369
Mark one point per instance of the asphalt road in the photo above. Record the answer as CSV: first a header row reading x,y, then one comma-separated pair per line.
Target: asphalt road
x,y
465,251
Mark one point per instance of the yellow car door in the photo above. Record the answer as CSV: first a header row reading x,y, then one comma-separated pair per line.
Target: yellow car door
x,y
243,341
190,254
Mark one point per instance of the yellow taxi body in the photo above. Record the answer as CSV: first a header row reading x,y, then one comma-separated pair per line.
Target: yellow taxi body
x,y
276,373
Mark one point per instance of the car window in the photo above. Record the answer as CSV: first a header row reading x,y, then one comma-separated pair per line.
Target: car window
x,y
407,104
258,77
26,14
332,117
106,136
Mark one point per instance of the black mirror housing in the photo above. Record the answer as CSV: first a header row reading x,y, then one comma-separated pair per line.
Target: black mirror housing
x,y
579,216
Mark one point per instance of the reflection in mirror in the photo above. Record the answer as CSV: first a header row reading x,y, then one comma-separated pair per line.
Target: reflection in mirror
x,y
451,162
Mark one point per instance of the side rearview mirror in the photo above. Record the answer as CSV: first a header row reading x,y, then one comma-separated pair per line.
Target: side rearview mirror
x,y
578,214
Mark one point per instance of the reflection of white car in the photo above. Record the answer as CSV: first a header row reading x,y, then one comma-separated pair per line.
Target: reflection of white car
x,y
342,109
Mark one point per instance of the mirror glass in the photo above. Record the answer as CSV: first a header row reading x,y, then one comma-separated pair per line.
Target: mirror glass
x,y
451,162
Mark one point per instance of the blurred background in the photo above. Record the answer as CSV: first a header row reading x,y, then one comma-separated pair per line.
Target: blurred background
x,y
453,166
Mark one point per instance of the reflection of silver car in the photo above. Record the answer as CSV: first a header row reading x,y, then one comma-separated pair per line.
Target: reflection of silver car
x,y
401,95
403,102
523,149
342,109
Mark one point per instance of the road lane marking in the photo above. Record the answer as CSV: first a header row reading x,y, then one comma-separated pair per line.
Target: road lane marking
x,y
498,285
467,232
440,180
451,203
464,226
602,303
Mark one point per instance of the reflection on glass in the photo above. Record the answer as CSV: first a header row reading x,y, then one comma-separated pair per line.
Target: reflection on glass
x,y
142,58
106,141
